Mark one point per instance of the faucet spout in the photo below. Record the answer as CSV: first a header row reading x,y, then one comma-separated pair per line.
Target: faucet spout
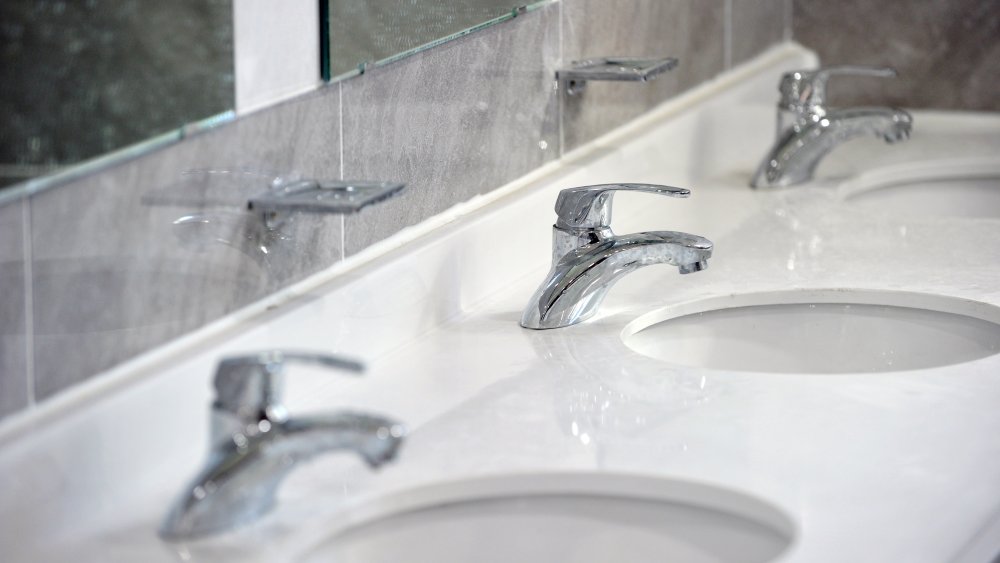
x,y
239,482
577,283
255,444
808,129
797,153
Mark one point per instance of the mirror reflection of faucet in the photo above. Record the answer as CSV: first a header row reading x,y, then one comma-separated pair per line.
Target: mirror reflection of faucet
x,y
808,129
588,258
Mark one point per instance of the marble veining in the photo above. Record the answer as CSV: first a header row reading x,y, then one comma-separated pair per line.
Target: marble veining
x,y
691,30
13,324
440,122
755,26
947,53
115,278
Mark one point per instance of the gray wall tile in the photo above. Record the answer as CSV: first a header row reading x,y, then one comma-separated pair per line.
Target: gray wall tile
x,y
114,277
111,276
756,25
452,122
691,30
946,51
13,365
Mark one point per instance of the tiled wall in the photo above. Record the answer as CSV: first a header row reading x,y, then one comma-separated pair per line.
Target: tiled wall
x,y
112,276
947,51
13,330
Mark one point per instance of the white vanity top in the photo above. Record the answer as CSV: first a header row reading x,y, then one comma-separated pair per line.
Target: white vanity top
x,y
901,466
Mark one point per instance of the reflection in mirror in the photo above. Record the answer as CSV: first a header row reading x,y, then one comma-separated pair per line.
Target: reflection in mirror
x,y
81,78
359,32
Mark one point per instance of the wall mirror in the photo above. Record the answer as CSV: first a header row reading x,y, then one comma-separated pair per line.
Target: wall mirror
x,y
85,83
359,32
79,79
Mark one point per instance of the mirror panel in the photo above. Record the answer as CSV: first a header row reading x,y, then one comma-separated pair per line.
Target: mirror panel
x,y
86,84
359,32
81,79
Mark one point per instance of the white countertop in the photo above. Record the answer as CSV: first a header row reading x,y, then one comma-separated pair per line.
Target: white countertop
x,y
901,466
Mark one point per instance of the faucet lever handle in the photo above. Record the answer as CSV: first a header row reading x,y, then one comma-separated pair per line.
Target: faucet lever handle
x,y
803,90
250,385
589,207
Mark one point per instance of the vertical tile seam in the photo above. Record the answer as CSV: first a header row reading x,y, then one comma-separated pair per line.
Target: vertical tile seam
x,y
558,88
340,124
789,31
727,35
27,256
340,119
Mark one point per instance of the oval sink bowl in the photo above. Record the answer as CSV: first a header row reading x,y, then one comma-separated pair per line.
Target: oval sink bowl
x,y
571,517
969,189
819,332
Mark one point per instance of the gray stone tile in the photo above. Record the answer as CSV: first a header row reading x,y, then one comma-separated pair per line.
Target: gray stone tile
x,y
947,53
756,25
113,276
691,30
453,122
13,356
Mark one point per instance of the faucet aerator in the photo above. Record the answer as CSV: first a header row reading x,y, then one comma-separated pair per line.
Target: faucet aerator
x,y
693,267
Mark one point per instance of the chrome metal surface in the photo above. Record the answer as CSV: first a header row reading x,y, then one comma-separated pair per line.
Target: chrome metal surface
x,y
255,444
314,196
795,156
220,196
612,68
588,258
808,129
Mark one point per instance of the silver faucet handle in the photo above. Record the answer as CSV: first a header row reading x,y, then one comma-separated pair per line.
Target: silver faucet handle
x,y
589,207
250,386
803,90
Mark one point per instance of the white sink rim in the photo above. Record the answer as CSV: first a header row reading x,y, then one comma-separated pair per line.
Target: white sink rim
x,y
645,487
847,296
933,170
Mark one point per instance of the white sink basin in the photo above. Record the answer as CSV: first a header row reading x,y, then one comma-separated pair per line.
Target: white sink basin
x,y
819,332
952,189
561,517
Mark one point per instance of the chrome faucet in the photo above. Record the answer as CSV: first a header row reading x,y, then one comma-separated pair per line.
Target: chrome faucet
x,y
254,444
808,129
588,258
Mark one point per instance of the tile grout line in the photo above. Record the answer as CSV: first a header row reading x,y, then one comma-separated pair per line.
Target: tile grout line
x,y
559,96
29,301
789,34
340,117
727,35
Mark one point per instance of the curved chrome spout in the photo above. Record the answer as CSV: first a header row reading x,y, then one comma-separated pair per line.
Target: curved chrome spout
x,y
795,156
254,443
577,283
588,258
239,482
